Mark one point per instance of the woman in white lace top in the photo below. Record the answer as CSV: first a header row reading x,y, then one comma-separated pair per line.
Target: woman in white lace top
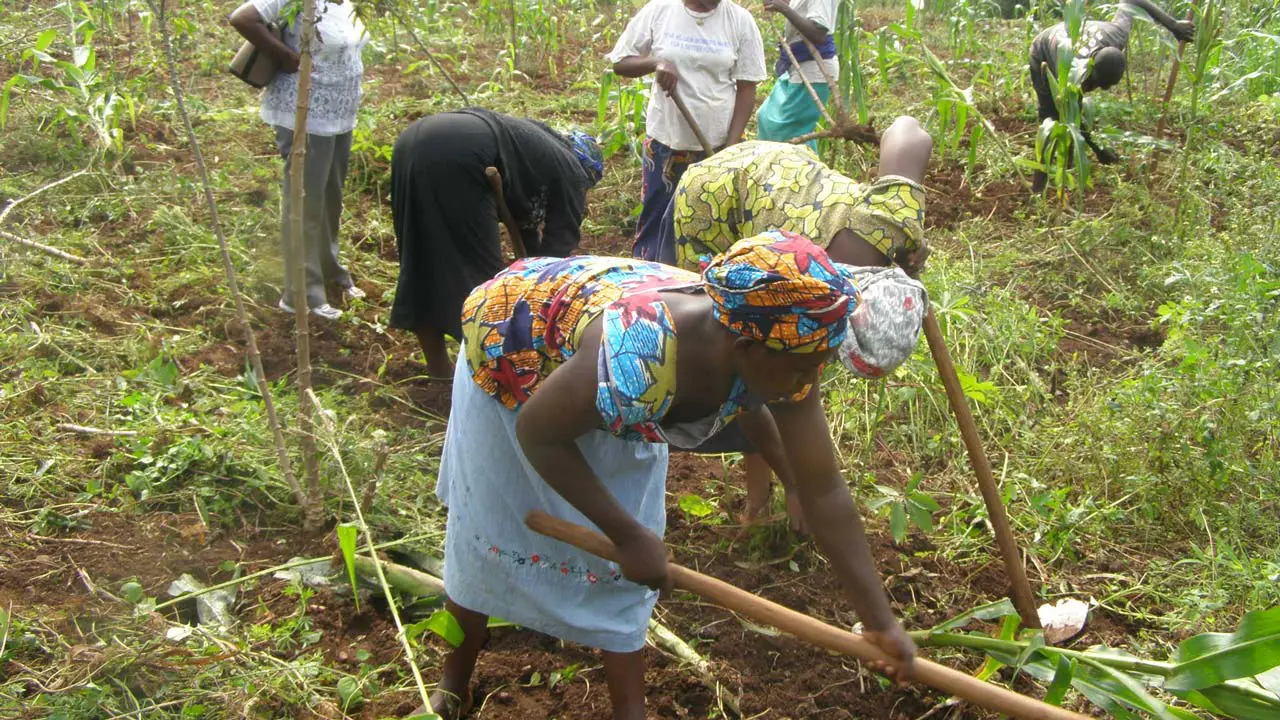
x,y
335,96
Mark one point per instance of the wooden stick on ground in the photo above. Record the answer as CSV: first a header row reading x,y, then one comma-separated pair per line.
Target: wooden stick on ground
x,y
693,124
662,637
1173,78
1023,599
403,578
32,243
991,697
86,430
504,213
43,248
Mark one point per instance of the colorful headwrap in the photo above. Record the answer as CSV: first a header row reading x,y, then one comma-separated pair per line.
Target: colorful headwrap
x,y
782,290
587,150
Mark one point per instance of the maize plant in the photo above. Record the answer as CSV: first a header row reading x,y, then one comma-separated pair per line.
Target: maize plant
x,y
1230,675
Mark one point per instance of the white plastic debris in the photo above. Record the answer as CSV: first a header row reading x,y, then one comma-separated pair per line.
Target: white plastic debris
x,y
317,574
1063,620
212,608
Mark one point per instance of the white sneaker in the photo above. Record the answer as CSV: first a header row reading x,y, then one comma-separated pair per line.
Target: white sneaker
x,y
353,293
324,312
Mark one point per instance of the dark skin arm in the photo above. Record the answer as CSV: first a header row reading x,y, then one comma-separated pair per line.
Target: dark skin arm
x,y
836,525
563,231
812,31
1183,30
564,409
905,148
248,22
1105,156
744,102
634,66
762,431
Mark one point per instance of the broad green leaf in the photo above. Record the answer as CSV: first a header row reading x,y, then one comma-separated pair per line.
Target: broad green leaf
x,y
349,691
696,505
926,501
1213,658
920,516
976,389
444,624
1099,696
131,592
1123,688
4,98
989,668
1034,645
898,522
347,534
1057,691
45,39
990,611
1232,700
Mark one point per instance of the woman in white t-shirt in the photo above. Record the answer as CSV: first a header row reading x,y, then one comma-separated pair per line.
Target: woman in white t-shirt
x,y
336,73
711,53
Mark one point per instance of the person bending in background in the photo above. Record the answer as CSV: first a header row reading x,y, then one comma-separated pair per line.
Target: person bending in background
x,y
710,52
336,73
758,186
789,111
1103,45
444,210
575,376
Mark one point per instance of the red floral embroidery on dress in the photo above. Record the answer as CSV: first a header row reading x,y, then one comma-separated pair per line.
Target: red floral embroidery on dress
x,y
564,568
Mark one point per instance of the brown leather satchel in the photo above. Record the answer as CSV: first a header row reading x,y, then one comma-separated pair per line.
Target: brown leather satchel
x,y
255,65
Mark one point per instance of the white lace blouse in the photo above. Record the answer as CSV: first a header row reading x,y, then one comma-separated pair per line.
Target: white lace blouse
x,y
335,72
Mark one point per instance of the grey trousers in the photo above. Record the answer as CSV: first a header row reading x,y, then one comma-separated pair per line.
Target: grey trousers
x,y
322,176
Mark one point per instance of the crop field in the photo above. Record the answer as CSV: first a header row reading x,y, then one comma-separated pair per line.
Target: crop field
x,y
1117,339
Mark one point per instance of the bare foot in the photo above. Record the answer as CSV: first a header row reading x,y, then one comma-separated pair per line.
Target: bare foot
x,y
447,705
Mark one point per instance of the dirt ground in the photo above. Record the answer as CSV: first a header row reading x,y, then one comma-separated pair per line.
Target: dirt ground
x,y
776,676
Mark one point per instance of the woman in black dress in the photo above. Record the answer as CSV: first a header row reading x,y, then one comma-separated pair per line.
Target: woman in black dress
x,y
446,219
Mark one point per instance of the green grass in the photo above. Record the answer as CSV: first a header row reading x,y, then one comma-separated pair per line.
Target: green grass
x,y
1123,362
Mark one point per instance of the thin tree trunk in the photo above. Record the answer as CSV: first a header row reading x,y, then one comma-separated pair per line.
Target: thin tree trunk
x,y
255,358
297,196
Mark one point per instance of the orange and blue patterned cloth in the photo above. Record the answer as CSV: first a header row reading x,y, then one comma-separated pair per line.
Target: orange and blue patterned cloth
x,y
779,289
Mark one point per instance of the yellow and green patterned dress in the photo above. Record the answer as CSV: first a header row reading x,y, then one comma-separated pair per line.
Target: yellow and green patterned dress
x,y
758,186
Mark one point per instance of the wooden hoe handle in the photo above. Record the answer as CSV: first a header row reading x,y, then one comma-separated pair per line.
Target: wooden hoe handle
x,y
991,697
693,124
504,213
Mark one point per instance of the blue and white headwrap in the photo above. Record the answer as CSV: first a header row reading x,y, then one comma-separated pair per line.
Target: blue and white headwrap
x,y
587,150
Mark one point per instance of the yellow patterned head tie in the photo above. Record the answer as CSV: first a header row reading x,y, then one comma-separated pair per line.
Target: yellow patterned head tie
x,y
780,289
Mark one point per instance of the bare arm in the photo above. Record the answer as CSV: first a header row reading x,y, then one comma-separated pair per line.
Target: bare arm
x,y
548,426
812,31
1182,29
634,66
836,524
762,431
248,22
744,103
